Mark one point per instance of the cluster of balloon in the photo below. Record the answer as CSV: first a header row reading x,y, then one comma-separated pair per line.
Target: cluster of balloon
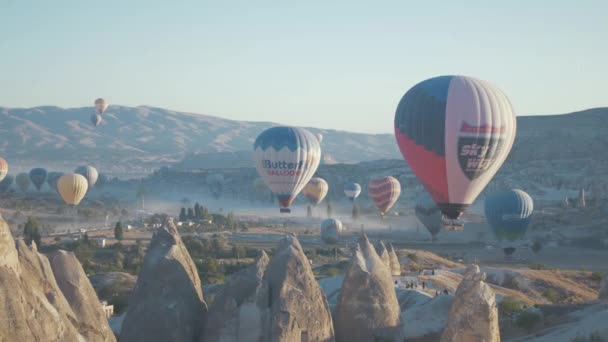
x,y
215,182
72,188
330,230
352,191
100,107
384,191
429,214
509,214
454,132
316,190
38,177
286,158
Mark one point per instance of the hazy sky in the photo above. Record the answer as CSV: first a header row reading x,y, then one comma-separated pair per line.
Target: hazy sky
x,y
330,64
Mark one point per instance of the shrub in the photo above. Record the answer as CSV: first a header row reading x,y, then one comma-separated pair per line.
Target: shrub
x,y
597,276
551,295
509,306
528,320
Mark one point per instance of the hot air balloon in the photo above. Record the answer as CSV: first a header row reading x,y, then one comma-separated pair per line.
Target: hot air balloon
x,y
102,180
319,137
72,187
286,158
6,183
23,181
454,132
89,172
51,179
101,105
316,190
384,191
215,182
509,213
96,120
330,230
352,191
429,214
38,177
3,169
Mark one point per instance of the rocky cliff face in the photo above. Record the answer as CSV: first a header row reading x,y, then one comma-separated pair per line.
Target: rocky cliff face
x,y
473,316
394,261
235,314
297,309
383,254
34,306
167,302
80,295
367,305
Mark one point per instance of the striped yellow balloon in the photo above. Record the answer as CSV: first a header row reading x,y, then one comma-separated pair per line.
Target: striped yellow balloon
x,y
316,190
72,188
384,191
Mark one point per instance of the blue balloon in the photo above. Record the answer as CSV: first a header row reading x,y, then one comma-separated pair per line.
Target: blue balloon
x,y
352,190
509,213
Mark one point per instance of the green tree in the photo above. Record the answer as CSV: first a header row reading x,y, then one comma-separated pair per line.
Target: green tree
x,y
198,212
309,212
356,212
182,215
230,224
118,231
31,232
190,215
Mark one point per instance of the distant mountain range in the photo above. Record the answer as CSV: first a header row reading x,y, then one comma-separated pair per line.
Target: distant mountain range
x,y
142,138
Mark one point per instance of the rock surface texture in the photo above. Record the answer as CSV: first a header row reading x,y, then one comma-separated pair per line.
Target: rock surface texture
x,y
394,261
473,316
367,308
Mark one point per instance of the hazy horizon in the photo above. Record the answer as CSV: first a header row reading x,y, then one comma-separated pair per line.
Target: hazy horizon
x,y
338,66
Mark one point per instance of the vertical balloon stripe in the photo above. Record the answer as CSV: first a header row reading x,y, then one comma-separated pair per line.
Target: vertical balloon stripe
x,y
384,191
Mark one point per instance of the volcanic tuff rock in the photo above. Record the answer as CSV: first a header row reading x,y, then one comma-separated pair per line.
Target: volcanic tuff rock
x,y
81,296
383,254
603,295
167,302
394,261
474,302
33,306
367,305
235,314
297,309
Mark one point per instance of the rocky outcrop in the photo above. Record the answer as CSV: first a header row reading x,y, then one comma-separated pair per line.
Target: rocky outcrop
x,y
81,296
473,315
383,254
167,302
295,307
394,261
33,306
603,295
235,314
367,305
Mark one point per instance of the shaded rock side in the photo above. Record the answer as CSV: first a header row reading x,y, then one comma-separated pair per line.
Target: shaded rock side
x,y
295,306
167,302
367,306
235,314
81,296
383,254
394,261
33,307
473,316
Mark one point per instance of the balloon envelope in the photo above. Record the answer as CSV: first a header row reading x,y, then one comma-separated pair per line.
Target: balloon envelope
x,y
429,214
3,169
316,190
454,132
23,181
215,182
352,190
51,179
101,105
286,158
509,213
6,183
38,177
384,191
72,187
330,230
89,173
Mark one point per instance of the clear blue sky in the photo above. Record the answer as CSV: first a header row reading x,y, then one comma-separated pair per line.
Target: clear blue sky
x,y
329,64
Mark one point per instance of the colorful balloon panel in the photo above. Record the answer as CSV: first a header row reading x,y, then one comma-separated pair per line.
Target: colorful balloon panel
x,y
286,158
509,213
454,132
352,190
316,190
384,191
